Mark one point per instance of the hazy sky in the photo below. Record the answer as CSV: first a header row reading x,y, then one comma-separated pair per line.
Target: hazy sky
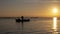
x,y
42,8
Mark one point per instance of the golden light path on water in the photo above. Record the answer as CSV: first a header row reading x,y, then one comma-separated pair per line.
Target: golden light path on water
x,y
55,23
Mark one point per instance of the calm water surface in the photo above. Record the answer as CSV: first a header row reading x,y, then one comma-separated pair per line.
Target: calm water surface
x,y
35,26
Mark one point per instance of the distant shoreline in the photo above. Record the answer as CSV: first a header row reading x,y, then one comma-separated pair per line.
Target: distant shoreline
x,y
29,17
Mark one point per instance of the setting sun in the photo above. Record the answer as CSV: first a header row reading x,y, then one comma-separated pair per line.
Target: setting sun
x,y
55,10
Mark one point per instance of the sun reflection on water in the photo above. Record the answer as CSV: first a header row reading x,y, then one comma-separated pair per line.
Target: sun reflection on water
x,y
55,23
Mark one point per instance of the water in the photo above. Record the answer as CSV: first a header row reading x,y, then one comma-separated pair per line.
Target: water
x,y
35,26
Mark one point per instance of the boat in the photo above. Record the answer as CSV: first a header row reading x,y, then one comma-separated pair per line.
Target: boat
x,y
22,19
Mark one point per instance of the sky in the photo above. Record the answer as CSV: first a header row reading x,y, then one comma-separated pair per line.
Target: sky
x,y
38,8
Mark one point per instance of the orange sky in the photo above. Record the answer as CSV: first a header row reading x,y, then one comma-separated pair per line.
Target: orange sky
x,y
40,8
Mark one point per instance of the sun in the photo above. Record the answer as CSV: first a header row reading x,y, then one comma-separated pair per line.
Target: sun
x,y
55,10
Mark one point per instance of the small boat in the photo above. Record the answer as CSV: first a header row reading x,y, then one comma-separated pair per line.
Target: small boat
x,y
22,19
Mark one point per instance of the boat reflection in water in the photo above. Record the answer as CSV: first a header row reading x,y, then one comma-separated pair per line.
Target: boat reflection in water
x,y
21,20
